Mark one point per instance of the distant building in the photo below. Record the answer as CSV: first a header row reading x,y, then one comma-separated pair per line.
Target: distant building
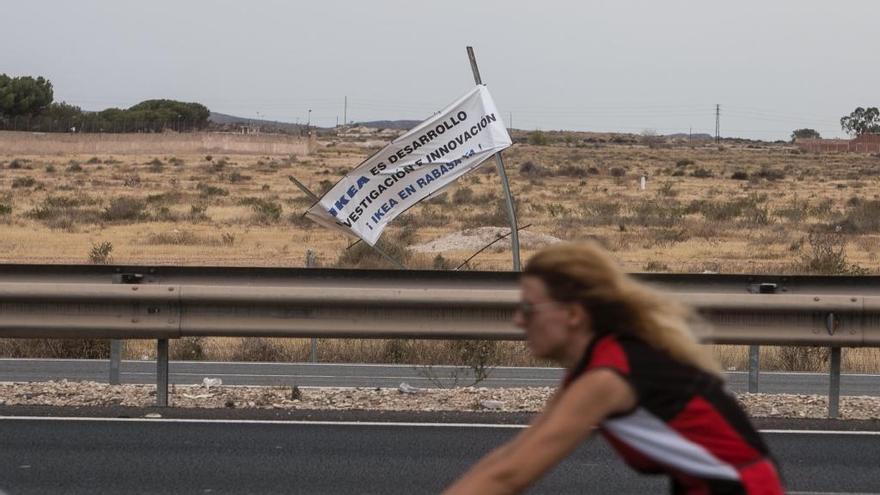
x,y
866,143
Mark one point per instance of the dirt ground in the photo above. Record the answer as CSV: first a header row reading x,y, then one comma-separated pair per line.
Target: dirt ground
x,y
728,208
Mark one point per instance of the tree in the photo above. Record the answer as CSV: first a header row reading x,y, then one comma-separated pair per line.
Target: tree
x,y
805,134
192,114
861,121
24,95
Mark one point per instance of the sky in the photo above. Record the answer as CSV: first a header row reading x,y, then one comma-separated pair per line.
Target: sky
x,y
607,66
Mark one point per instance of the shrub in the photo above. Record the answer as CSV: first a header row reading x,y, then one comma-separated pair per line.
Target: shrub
x,y
63,212
702,173
156,165
618,172
197,213
324,186
826,254
16,164
237,176
538,138
132,180
569,170
740,175
684,162
209,190
255,349
463,195
57,348
265,211
93,160
796,211
360,255
74,167
650,214
50,169
771,174
99,254
124,208
861,218
23,182
187,349
5,208
656,266
178,238
791,358
666,189
532,170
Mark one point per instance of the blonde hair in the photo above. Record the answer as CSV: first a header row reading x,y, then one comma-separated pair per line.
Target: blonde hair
x,y
583,273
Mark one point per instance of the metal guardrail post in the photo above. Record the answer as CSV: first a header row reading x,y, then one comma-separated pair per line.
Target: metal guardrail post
x,y
834,384
162,373
115,360
754,368
311,262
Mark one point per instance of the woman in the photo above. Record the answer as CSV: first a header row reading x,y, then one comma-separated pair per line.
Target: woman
x,y
635,372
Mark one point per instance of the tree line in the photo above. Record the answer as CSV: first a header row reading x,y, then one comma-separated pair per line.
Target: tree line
x,y
27,104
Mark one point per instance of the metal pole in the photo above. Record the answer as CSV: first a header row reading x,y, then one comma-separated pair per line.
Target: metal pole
x,y
754,368
310,263
162,373
834,384
505,184
115,358
115,351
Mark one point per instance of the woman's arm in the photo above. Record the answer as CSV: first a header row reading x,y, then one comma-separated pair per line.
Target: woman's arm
x,y
519,463
500,452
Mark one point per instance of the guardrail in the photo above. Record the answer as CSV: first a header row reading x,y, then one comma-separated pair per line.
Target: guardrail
x,y
171,302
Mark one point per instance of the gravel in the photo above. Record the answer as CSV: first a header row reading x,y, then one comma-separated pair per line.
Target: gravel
x,y
532,399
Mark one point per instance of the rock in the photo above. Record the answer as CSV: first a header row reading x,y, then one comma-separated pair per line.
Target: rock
x,y
406,388
211,382
491,404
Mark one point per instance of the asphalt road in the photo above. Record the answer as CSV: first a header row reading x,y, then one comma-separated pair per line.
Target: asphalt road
x,y
354,375
148,456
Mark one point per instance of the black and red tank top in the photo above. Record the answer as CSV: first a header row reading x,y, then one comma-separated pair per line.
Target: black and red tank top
x,y
684,423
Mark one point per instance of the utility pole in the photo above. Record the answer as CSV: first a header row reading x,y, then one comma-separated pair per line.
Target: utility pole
x,y
345,112
510,120
717,123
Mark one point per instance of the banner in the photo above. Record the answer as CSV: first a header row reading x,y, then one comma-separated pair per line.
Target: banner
x,y
424,160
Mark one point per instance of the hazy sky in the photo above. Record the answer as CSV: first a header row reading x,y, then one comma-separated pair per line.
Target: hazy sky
x,y
773,65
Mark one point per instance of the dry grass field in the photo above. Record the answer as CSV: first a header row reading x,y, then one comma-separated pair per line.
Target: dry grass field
x,y
733,208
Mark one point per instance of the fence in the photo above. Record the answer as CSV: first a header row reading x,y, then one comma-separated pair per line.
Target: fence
x,y
170,302
866,143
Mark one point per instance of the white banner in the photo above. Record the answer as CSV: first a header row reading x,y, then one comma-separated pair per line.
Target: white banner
x,y
415,165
